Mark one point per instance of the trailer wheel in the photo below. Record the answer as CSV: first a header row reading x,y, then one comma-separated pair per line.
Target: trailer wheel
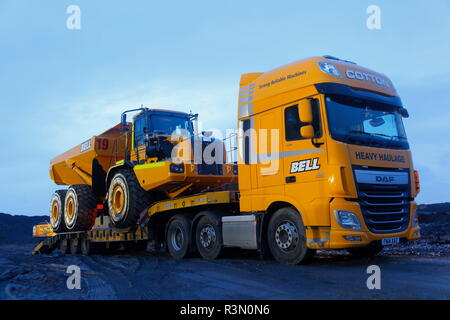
x,y
365,252
178,237
79,208
286,237
57,211
126,199
74,246
64,246
85,246
208,238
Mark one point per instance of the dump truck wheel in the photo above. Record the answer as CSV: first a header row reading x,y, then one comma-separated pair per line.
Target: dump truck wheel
x,y
178,237
365,252
57,211
126,199
79,208
286,237
64,246
208,238
74,246
85,246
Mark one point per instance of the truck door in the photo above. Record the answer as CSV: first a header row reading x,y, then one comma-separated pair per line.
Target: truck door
x,y
270,173
302,160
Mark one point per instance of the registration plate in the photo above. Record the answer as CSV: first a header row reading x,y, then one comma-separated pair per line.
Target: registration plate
x,y
389,241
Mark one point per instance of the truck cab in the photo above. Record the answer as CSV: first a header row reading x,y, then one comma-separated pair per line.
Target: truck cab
x,y
325,137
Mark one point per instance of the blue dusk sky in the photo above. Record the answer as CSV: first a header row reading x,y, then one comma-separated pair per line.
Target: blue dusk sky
x,y
59,86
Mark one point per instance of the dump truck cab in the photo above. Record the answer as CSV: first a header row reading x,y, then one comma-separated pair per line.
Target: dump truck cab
x,y
325,137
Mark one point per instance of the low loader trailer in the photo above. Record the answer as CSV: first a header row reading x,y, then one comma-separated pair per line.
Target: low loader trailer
x,y
323,162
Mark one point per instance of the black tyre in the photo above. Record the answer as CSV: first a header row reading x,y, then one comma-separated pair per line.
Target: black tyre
x,y
365,252
85,247
286,237
208,237
79,208
57,211
126,199
64,246
74,246
178,237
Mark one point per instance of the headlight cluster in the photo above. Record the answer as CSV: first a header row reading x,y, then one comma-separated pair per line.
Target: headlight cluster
x,y
347,219
177,167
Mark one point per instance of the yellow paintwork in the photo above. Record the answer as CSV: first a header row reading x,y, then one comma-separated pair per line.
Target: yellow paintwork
x,y
263,97
43,230
75,165
157,176
202,199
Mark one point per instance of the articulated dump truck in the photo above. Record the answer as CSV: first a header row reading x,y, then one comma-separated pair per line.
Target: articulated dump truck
x,y
323,162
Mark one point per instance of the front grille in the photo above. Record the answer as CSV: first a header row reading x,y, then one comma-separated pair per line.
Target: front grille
x,y
385,208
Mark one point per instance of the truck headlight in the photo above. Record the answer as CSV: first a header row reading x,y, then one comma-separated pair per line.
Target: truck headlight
x,y
177,167
347,219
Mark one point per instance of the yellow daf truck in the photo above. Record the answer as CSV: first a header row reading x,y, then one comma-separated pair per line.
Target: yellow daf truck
x,y
323,163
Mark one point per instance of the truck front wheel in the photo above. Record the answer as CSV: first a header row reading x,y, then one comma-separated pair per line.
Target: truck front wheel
x,y
126,199
286,237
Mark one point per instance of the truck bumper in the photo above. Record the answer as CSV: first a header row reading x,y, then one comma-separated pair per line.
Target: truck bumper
x,y
336,237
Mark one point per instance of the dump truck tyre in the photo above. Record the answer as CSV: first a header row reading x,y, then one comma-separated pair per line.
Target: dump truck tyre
x,y
178,237
57,211
208,236
79,208
286,237
126,199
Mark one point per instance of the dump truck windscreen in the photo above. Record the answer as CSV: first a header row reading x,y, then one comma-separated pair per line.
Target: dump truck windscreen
x,y
171,125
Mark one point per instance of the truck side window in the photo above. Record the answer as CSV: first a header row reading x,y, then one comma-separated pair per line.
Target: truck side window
x,y
245,128
139,132
292,123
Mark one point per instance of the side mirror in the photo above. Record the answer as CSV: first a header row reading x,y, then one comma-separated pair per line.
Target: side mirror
x,y
305,111
124,120
307,132
404,112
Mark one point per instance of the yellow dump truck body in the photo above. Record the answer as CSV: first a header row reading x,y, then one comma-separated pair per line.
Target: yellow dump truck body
x,y
75,166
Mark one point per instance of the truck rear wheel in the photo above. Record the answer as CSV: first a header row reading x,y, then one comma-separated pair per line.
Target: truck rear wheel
x,y
208,238
79,208
286,237
126,199
57,211
178,236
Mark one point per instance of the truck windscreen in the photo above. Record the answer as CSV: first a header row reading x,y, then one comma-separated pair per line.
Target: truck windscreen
x,y
171,125
365,123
